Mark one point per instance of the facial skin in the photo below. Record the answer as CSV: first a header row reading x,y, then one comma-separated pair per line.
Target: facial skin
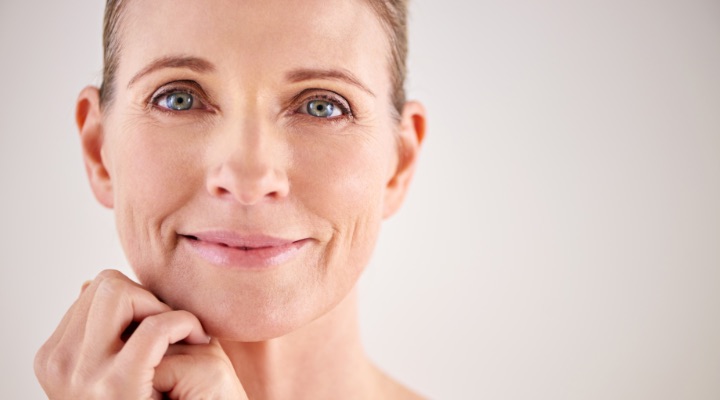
x,y
247,158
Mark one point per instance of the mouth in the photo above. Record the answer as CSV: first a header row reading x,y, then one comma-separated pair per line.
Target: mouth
x,y
237,251
245,247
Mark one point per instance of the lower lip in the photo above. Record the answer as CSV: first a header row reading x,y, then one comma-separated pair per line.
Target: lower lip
x,y
232,257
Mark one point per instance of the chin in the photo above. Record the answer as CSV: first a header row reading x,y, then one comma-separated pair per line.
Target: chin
x,y
242,314
251,325
245,306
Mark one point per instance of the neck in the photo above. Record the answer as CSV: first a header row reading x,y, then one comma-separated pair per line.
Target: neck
x,y
323,359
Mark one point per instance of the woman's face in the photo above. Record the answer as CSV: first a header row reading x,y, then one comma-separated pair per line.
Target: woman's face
x,y
250,153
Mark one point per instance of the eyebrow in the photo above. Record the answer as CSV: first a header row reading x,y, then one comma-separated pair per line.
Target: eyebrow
x,y
300,75
193,63
201,65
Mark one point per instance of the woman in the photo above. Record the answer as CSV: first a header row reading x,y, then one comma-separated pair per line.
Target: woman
x,y
250,151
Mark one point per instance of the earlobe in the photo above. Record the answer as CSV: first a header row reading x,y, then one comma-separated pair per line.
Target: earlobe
x,y
411,136
88,117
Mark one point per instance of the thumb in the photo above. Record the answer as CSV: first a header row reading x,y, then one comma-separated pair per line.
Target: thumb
x,y
197,371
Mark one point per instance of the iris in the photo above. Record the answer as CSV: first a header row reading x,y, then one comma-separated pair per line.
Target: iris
x,y
179,101
320,108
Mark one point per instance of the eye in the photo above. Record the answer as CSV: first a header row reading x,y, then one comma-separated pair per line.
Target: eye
x,y
326,106
322,109
177,100
180,96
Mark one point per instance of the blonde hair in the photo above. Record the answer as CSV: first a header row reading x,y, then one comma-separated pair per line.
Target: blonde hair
x,y
392,15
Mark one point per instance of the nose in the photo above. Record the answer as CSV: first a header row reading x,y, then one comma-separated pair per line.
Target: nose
x,y
249,165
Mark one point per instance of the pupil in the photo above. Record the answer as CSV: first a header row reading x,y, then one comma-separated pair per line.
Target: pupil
x,y
180,100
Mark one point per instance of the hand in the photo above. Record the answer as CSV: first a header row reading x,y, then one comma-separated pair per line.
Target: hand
x,y
87,357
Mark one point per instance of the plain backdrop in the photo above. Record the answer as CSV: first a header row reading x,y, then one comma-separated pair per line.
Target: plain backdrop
x,y
561,239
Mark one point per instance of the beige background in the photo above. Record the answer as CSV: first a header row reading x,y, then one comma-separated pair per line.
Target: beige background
x,y
562,239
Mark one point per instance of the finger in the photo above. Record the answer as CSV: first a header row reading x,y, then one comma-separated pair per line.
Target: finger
x,y
61,351
78,312
59,332
70,330
85,286
197,371
52,359
148,344
184,376
212,348
116,304
79,303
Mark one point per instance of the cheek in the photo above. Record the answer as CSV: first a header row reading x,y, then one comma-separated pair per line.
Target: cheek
x,y
153,175
342,179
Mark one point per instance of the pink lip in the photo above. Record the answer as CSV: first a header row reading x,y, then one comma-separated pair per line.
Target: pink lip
x,y
229,249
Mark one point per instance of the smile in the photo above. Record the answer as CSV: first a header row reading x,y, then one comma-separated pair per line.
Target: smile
x,y
236,251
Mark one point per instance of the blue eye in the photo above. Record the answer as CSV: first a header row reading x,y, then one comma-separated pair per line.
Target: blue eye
x,y
178,101
322,109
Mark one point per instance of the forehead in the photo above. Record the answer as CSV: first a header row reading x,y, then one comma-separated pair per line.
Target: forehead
x,y
240,36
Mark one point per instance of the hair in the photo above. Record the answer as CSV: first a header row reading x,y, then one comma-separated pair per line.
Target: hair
x,y
392,15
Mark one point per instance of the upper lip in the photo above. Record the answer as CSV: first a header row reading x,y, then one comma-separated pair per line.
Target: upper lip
x,y
238,240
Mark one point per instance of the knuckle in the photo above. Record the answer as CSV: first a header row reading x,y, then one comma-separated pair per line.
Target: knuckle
x,y
53,366
108,274
185,315
154,324
163,324
40,361
111,287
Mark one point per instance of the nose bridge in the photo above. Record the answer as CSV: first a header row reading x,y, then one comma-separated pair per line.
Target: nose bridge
x,y
252,143
251,159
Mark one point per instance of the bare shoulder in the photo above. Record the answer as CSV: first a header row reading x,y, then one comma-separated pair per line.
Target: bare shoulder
x,y
389,388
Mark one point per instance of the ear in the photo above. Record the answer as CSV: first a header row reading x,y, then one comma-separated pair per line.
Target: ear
x,y
411,135
88,117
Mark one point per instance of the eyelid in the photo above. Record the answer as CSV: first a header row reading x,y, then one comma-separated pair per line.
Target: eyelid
x,y
323,94
186,86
